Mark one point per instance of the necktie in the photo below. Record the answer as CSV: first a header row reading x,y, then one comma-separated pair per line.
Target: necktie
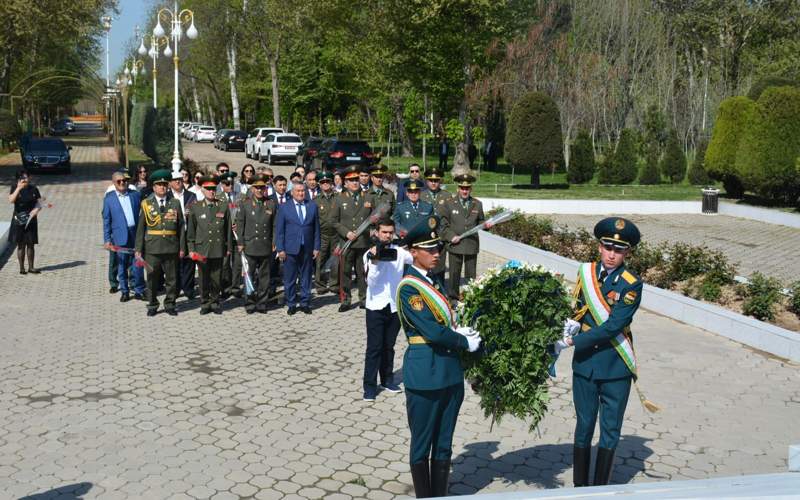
x,y
430,276
414,206
300,212
355,197
162,205
603,274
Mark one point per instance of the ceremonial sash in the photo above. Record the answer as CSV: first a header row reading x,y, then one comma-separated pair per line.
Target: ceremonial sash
x,y
436,302
600,310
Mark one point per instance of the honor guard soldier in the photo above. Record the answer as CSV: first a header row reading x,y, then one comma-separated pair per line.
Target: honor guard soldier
x,y
209,239
460,213
407,212
255,228
432,371
231,195
326,202
436,196
161,241
352,208
380,193
604,364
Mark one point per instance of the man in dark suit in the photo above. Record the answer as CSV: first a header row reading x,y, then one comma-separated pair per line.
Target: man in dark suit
x,y
297,241
444,151
414,175
280,197
120,217
312,187
186,281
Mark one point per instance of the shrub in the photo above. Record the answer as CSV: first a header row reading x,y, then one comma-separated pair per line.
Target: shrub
x,y
655,128
673,164
770,145
697,174
10,130
720,160
762,294
581,159
142,118
158,139
650,173
533,136
763,84
620,167
794,302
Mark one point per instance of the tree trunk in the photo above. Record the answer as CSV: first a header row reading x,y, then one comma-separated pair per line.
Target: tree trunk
x,y
231,55
400,121
272,59
197,110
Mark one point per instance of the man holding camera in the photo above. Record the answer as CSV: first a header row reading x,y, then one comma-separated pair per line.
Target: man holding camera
x,y
384,265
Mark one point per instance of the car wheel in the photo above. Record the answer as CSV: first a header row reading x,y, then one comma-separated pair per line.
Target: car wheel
x,y
246,153
269,158
225,147
260,158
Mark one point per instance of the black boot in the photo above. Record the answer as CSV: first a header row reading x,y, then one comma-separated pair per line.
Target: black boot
x,y
603,466
440,477
421,475
580,466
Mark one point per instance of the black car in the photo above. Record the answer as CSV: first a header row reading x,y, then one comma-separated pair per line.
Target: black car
x,y
46,155
232,140
335,154
309,150
61,127
218,135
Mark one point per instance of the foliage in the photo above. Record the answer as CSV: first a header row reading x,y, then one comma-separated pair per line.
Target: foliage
x,y
142,117
650,173
519,311
655,131
621,166
581,159
533,135
794,304
158,141
762,294
770,146
732,118
9,127
766,82
697,174
673,164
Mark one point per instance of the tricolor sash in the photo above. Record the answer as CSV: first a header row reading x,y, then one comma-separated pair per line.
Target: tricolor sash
x,y
600,310
436,302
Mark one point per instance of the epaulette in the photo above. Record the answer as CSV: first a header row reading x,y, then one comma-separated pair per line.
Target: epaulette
x,y
630,278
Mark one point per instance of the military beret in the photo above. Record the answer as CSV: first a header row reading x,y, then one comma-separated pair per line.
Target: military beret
x,y
160,176
424,233
325,176
617,231
464,180
351,171
209,181
260,180
414,186
378,169
434,174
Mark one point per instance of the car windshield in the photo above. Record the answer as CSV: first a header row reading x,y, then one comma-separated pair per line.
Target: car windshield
x,y
47,145
207,129
351,146
290,138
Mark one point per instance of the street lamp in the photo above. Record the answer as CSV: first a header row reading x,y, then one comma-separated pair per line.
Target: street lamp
x,y
176,19
123,85
156,44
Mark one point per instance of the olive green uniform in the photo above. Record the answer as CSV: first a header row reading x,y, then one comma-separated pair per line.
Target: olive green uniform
x,y
350,211
159,238
328,239
381,196
208,233
232,264
255,230
437,199
457,216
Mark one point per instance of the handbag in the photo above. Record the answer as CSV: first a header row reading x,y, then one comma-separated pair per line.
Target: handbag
x,y
21,218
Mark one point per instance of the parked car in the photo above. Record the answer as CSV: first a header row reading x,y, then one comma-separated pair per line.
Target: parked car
x,y
70,124
218,135
309,150
47,154
191,130
59,128
233,140
335,154
279,146
182,126
256,136
204,134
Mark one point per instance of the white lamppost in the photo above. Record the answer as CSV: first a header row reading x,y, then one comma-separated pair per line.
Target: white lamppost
x,y
176,18
123,85
107,27
156,44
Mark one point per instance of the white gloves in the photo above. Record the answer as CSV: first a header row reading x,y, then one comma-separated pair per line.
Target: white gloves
x,y
571,327
472,336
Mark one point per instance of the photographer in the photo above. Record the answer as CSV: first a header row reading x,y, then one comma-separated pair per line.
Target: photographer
x,y
384,265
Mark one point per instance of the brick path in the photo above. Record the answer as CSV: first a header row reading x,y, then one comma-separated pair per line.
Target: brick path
x,y
98,400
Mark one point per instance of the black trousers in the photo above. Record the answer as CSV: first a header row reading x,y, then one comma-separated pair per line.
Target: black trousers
x,y
470,264
354,258
382,328
442,162
186,282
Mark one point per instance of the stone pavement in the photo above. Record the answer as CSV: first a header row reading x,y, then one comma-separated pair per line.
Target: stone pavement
x,y
754,245
98,400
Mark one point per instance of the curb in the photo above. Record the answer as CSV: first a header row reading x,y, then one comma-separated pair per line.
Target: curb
x,y
743,329
5,228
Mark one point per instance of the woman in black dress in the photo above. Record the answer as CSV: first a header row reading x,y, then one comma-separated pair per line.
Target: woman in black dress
x,y
24,228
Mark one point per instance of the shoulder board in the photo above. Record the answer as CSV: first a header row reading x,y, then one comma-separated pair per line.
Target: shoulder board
x,y
630,278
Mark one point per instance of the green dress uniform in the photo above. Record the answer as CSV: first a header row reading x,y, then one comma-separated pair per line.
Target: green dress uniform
x,y
432,371
407,214
208,234
350,210
232,264
328,238
459,215
437,199
160,238
255,230
602,367
381,194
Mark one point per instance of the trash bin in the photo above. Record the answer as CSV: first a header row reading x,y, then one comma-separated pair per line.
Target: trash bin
x,y
710,200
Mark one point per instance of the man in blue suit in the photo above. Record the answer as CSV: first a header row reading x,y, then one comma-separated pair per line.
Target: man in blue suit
x,y
120,217
297,241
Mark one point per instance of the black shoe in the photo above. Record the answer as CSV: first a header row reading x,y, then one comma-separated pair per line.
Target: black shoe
x,y
305,309
421,476
362,305
238,294
113,289
580,466
321,291
392,387
172,312
440,477
205,310
249,310
138,296
125,297
191,295
217,310
344,307
22,271
603,465
292,310
224,296
33,270
152,312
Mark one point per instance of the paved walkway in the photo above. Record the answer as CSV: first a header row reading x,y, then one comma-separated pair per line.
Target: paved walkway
x,y
755,246
98,400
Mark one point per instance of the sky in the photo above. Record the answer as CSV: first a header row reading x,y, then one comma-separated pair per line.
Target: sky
x,y
132,12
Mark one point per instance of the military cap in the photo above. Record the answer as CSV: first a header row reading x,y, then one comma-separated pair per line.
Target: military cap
x,y
161,176
378,169
351,172
209,181
464,180
260,180
228,176
617,231
423,234
414,186
325,175
434,174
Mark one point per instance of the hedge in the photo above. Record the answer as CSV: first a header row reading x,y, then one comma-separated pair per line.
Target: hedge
x,y
581,159
533,135
732,118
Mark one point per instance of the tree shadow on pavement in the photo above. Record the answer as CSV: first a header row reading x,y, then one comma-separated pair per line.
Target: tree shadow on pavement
x,y
70,492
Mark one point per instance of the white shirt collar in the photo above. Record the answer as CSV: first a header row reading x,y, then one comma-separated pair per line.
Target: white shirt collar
x,y
423,272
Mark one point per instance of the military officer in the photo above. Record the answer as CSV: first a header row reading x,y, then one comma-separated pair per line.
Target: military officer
x,y
459,214
436,196
255,228
326,202
432,371
380,193
603,364
209,241
161,241
352,208
232,264
407,212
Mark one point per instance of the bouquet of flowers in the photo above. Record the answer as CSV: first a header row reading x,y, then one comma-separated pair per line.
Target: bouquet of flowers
x,y
519,310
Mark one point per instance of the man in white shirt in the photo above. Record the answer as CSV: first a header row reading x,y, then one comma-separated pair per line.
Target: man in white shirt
x,y
384,265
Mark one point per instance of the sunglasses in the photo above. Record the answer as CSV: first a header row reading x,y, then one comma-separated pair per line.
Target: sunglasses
x,y
258,187
120,181
414,171
223,170
609,247
248,171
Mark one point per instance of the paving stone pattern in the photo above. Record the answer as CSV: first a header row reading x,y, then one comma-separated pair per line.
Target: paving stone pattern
x,y
99,401
755,246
